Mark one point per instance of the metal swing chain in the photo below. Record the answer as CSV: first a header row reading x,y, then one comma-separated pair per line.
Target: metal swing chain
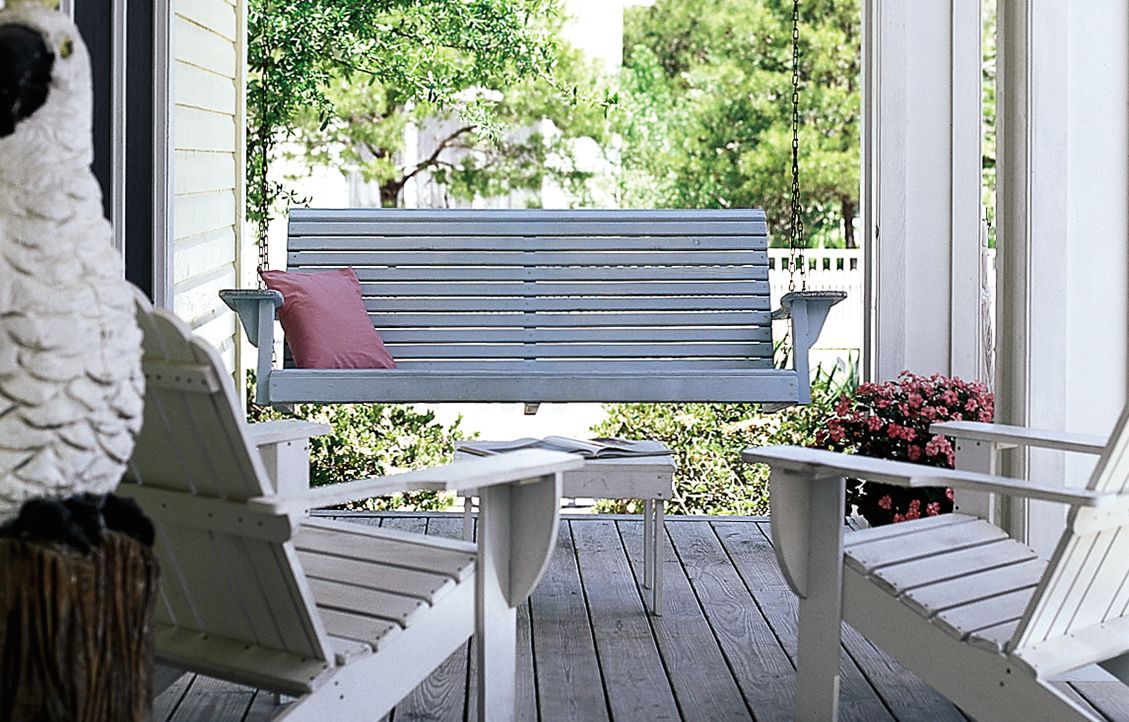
x,y
264,259
796,259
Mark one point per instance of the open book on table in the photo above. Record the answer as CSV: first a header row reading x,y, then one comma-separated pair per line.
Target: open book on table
x,y
588,448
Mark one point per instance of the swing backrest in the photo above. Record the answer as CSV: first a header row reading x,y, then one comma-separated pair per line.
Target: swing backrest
x,y
589,290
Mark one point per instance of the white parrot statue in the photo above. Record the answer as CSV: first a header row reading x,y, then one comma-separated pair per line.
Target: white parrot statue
x,y
71,383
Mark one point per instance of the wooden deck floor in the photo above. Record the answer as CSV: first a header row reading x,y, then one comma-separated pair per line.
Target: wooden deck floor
x,y
723,650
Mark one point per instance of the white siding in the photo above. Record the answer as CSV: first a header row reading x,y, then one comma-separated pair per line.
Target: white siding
x,y
208,165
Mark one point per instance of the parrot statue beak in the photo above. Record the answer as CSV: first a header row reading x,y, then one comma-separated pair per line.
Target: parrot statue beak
x,y
25,75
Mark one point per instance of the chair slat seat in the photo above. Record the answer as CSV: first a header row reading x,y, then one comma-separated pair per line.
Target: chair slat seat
x,y
360,627
919,543
349,596
987,582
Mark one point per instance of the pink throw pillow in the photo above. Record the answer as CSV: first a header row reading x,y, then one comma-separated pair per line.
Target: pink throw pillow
x,y
326,324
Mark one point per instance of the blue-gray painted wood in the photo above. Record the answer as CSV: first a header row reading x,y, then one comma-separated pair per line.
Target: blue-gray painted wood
x,y
552,305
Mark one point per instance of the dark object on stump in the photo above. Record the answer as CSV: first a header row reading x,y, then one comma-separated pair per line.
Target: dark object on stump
x,y
77,640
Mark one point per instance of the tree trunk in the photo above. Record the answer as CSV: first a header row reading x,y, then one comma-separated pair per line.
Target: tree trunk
x,y
390,194
77,643
848,208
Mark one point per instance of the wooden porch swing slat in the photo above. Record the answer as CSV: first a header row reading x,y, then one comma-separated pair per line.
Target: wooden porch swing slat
x,y
549,305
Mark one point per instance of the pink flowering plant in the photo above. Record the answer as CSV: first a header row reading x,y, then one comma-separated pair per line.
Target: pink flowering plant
x,y
891,421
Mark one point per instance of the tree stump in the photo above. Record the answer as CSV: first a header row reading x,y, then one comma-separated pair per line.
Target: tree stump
x,y
77,642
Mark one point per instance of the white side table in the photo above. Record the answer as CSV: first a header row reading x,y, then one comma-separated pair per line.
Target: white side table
x,y
650,478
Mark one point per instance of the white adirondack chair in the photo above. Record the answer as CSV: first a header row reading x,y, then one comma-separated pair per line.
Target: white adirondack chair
x,y
346,618
974,613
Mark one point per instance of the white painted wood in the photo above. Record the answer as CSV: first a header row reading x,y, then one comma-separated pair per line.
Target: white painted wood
x,y
699,275
804,460
979,457
1063,208
817,647
658,550
958,592
649,478
984,684
118,121
202,197
164,104
1013,621
921,229
1005,436
323,612
496,643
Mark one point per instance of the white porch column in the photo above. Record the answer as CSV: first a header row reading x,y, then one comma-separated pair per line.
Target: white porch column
x,y
921,187
1063,259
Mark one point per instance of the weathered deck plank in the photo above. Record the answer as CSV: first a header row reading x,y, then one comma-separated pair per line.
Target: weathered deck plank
x,y
1109,698
904,694
698,671
442,696
587,651
569,685
755,561
633,670
214,700
758,663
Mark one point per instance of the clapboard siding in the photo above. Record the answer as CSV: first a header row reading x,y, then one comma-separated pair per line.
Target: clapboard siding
x,y
201,212
199,88
218,16
202,172
205,130
207,167
196,256
194,297
199,46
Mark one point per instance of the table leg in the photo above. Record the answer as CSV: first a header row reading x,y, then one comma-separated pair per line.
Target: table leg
x,y
468,518
648,537
657,557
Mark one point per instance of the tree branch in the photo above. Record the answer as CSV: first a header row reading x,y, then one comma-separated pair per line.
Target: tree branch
x,y
433,159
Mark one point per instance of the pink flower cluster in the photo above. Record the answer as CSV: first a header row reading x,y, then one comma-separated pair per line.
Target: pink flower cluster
x,y
891,421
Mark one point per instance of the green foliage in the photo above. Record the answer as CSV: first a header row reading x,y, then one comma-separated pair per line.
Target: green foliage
x,y
372,440
424,51
707,440
988,111
366,130
705,109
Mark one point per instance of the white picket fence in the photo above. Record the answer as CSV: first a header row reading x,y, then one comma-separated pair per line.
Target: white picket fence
x,y
831,269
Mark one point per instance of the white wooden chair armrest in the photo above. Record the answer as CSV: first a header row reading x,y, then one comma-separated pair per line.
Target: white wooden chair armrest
x,y
283,430
518,466
284,447
1004,436
820,464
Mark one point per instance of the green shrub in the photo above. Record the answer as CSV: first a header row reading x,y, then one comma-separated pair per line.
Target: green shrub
x,y
707,440
372,440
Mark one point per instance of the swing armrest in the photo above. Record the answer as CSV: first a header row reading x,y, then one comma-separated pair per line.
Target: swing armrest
x,y
249,304
807,310
256,310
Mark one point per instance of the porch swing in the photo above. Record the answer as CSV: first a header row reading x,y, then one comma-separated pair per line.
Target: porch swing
x,y
536,306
